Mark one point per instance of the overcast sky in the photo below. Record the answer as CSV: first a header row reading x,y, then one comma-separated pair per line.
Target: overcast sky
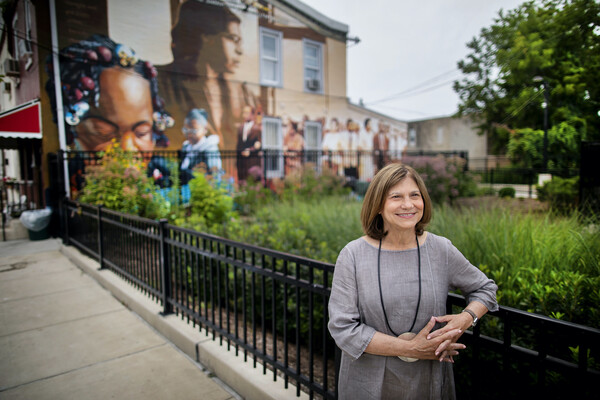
x,y
409,48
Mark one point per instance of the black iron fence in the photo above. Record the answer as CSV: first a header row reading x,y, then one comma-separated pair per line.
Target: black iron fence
x,y
272,307
262,165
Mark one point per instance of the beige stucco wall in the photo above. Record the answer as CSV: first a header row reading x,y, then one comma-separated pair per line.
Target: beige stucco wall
x,y
449,134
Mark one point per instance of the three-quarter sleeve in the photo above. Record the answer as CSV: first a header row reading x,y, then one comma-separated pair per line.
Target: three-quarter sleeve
x,y
345,325
473,283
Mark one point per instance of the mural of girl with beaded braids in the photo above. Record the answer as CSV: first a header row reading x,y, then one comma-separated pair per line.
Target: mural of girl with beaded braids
x,y
109,94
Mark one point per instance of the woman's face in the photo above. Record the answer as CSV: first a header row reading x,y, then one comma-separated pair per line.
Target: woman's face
x,y
224,50
403,207
124,113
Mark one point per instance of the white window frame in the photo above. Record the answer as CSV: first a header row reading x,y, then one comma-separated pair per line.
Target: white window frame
x,y
278,36
273,169
412,137
309,151
305,43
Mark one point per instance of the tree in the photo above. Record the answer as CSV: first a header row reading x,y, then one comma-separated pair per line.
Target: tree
x,y
558,40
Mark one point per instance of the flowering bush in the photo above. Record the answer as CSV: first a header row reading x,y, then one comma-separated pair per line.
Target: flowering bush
x,y
445,180
119,182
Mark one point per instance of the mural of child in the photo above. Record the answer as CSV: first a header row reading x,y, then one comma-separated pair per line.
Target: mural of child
x,y
108,93
200,149
332,142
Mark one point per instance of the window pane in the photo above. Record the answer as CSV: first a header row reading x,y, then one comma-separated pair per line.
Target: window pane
x,y
269,70
311,56
271,136
311,73
269,46
311,135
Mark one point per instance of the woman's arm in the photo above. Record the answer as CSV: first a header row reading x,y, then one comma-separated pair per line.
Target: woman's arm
x,y
420,346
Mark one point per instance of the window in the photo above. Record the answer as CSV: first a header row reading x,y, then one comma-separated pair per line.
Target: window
x,y
312,142
270,57
440,134
313,66
272,144
412,137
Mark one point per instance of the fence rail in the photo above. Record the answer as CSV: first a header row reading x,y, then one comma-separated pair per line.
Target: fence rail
x,y
272,307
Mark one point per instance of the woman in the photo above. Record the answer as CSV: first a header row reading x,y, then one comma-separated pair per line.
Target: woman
x,y
394,282
207,52
199,148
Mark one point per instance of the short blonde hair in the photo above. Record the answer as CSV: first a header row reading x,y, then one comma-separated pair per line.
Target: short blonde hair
x,y
382,183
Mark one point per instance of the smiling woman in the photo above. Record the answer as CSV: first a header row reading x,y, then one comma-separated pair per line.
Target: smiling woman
x,y
388,298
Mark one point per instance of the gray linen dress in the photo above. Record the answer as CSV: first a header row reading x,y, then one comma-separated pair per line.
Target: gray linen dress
x,y
355,313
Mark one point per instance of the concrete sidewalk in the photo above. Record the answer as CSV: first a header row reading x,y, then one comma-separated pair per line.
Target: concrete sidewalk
x,y
63,336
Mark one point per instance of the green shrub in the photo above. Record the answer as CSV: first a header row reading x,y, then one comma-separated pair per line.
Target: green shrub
x,y
251,195
561,193
209,206
119,183
486,191
306,183
544,264
507,192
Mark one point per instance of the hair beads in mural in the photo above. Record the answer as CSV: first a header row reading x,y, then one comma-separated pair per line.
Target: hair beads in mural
x,y
108,93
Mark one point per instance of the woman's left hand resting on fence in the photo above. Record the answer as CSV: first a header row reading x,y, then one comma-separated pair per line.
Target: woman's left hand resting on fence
x,y
443,346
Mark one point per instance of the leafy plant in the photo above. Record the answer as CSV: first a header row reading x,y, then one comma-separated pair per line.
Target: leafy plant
x,y
507,192
561,193
119,183
209,206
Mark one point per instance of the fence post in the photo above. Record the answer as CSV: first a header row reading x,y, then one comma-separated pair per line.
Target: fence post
x,y
265,157
100,237
64,207
165,269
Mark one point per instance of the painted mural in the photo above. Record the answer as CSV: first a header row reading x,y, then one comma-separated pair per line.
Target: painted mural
x,y
207,100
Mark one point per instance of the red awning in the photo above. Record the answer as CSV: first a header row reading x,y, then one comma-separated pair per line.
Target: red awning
x,y
24,121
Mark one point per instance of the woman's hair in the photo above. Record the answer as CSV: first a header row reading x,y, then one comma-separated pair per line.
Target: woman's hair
x,y
197,18
80,67
377,193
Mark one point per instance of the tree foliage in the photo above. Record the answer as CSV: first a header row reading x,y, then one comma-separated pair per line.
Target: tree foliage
x,y
558,40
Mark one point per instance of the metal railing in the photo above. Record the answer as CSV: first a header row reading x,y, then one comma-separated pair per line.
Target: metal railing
x,y
261,165
272,307
16,196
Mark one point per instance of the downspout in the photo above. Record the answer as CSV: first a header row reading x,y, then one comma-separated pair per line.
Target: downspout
x,y
60,118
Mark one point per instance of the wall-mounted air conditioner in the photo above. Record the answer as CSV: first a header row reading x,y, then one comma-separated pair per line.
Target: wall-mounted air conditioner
x,y
313,84
11,67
